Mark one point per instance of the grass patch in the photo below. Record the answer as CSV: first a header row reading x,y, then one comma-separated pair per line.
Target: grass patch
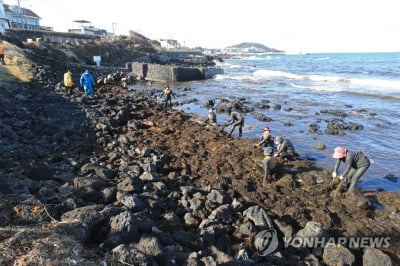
x,y
17,66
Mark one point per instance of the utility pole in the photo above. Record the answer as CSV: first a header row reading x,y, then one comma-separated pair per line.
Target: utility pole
x,y
113,23
20,15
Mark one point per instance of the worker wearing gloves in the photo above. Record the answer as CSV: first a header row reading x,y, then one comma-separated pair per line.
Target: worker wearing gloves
x,y
356,165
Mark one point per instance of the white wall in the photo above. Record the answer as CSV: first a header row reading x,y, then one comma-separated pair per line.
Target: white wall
x,y
3,18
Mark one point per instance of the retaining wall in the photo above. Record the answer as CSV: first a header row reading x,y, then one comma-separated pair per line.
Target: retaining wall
x,y
172,73
51,36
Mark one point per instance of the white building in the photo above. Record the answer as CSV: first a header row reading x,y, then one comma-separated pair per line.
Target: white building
x,y
16,17
83,27
169,44
4,24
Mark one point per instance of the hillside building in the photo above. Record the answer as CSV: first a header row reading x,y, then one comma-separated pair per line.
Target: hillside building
x,y
83,27
16,17
169,44
4,23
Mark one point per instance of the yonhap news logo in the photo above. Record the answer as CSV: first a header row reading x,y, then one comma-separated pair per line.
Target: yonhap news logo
x,y
266,242
351,242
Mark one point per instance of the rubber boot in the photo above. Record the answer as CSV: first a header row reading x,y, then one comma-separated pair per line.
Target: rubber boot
x,y
231,132
355,194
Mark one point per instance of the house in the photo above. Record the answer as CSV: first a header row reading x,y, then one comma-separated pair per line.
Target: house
x,y
4,24
169,44
22,18
82,28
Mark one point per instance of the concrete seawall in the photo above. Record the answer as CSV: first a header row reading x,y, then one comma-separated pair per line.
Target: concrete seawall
x,y
172,73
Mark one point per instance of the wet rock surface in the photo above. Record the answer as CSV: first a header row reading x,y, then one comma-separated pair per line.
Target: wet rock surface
x,y
119,180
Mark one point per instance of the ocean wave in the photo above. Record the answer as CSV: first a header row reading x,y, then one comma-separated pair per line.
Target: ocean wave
x,y
321,58
319,88
227,66
244,78
381,84
367,84
341,89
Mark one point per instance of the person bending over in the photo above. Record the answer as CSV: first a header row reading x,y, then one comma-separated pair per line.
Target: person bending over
x,y
284,149
357,164
236,120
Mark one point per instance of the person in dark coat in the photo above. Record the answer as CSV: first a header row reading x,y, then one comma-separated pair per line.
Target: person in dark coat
x,y
284,149
211,118
268,164
167,93
357,163
266,139
236,120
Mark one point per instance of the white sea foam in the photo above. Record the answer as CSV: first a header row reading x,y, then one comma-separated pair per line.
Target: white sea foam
x,y
226,65
380,84
268,74
318,88
235,77
366,84
321,58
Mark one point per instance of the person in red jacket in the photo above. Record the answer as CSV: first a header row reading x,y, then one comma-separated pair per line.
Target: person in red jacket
x,y
2,55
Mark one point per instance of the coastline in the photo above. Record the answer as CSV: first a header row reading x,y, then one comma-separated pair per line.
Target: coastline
x,y
79,165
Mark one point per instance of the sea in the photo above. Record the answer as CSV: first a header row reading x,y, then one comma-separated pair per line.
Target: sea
x,y
364,86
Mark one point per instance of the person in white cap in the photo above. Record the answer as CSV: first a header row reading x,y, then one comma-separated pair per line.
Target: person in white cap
x,y
356,165
211,117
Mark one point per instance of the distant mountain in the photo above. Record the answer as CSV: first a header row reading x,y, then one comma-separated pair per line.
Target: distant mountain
x,y
257,46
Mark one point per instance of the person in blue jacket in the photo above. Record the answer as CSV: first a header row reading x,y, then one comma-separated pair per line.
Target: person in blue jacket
x,y
87,82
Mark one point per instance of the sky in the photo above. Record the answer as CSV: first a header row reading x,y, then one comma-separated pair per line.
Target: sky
x,y
308,26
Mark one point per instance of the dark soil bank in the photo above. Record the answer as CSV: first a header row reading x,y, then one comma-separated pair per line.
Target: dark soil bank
x,y
119,181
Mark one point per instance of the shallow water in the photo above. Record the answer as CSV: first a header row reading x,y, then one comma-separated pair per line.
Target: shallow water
x,y
364,86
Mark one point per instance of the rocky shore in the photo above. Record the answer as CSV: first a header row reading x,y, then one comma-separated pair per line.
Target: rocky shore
x,y
118,180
